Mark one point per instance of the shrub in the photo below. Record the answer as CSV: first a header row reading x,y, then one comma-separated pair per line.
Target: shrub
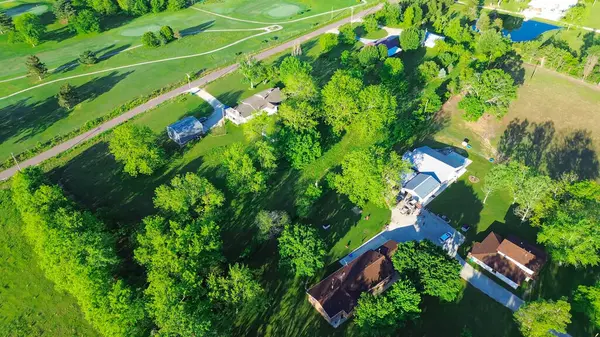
x,y
347,34
88,57
473,107
328,42
149,39
166,34
429,70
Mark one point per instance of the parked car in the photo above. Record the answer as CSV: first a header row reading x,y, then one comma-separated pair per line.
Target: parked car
x,y
445,237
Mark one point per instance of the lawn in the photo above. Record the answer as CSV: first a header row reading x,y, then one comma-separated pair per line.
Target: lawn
x,y
34,117
30,304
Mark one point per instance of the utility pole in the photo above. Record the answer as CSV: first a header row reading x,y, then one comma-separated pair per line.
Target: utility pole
x,y
189,81
16,161
352,17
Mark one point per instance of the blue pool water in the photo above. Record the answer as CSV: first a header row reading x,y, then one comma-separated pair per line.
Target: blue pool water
x,y
529,30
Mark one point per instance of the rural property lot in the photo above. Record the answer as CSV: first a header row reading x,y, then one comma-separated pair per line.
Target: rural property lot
x,y
34,116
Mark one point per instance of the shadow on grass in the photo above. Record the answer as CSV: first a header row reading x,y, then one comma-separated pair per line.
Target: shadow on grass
x,y
108,52
197,29
60,34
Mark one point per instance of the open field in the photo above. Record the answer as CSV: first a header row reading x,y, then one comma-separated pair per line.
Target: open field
x,y
33,117
30,305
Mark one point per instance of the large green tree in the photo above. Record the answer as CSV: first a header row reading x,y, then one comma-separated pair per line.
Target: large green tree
x,y
298,115
587,300
492,45
252,70
86,22
411,38
301,250
340,100
67,97
30,27
385,313
270,223
240,173
536,319
35,67
494,89
189,194
301,147
137,148
377,110
64,10
238,290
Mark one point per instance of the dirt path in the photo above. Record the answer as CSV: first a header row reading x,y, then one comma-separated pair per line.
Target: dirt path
x,y
160,99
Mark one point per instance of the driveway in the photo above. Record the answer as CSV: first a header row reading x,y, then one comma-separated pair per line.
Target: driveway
x,y
218,108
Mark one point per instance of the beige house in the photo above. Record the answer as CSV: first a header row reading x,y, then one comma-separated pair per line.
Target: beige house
x,y
265,101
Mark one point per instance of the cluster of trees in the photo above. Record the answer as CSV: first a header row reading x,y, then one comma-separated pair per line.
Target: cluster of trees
x,y
539,318
137,148
424,268
164,36
77,253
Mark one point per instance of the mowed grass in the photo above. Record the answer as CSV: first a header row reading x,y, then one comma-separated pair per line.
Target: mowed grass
x,y
34,117
30,305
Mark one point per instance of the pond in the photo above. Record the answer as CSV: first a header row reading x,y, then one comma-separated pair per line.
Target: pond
x,y
529,30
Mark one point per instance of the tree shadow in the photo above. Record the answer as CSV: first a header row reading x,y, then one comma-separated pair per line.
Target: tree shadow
x,y
197,29
540,146
28,118
110,51
589,40
63,68
100,85
512,63
60,34
108,22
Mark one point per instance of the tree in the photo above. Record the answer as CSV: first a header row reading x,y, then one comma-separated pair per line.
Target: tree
x,y
429,70
392,72
299,83
495,90
138,7
307,199
458,32
587,301
106,7
252,70
492,45
291,66
429,104
270,223
430,266
88,57
370,23
593,54
474,108
158,6
189,194
391,14
149,39
484,23
86,22
535,189
411,39
301,250
340,100
64,10
166,34
30,27
576,14
136,147
408,17
67,97
494,180
266,155
35,67
174,5
377,110
369,56
239,289
536,319
6,23
347,34
301,147
378,315
298,115
241,175
328,41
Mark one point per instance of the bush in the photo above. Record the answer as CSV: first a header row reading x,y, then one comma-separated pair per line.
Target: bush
x,y
347,34
166,34
86,22
370,23
174,5
88,57
473,107
328,42
429,70
411,38
149,39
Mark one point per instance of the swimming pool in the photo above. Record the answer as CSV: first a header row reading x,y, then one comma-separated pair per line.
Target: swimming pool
x,y
529,30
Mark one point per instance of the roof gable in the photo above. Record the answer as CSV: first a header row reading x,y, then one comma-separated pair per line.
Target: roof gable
x,y
422,185
522,252
441,166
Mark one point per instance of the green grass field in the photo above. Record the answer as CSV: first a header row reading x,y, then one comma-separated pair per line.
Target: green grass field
x,y
34,117
30,305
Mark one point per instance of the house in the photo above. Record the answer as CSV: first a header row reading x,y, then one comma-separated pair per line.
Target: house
x,y
336,296
512,260
392,43
265,101
431,39
185,130
434,171
553,10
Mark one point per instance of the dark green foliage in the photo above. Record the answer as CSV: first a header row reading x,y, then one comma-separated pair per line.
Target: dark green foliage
x,y
370,23
411,38
298,115
301,147
297,78
429,70
86,22
473,107
238,290
88,57
174,5
6,23
35,67
347,34
137,148
149,39
107,7
369,56
76,253
429,103
158,6
492,45
307,199
67,97
392,72
447,59
385,313
391,14
457,31
64,10
301,250
270,224
494,89
139,7
328,41
340,100
166,34
587,300
436,273
30,28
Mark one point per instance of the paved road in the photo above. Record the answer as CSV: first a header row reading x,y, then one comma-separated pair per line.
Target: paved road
x,y
162,98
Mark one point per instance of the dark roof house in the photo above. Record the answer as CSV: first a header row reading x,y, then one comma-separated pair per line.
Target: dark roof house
x,y
185,130
511,259
336,296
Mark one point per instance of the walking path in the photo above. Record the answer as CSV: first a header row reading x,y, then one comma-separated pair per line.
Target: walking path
x,y
162,98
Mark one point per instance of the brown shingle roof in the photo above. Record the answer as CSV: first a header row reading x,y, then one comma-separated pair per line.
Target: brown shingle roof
x,y
524,253
489,245
341,290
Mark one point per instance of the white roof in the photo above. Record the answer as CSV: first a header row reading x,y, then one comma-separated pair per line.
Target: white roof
x,y
441,166
548,9
431,39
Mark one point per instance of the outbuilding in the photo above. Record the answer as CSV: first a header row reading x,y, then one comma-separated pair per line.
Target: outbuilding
x,y
185,130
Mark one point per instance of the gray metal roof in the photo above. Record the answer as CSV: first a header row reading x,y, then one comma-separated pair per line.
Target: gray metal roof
x,y
422,185
185,130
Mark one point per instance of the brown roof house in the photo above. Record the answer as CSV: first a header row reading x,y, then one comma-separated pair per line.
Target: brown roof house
x,y
512,260
336,296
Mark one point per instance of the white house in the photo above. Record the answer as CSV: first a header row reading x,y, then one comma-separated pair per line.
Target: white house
x,y
434,170
431,39
548,9
265,101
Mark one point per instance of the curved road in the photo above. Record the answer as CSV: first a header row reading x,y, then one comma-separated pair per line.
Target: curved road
x,y
58,149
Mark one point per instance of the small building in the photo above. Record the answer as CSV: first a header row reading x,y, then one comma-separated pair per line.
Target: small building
x,y
512,260
265,101
336,296
185,130
553,10
392,43
434,171
431,39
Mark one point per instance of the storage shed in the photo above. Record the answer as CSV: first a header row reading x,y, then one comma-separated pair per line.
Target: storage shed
x,y
185,130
